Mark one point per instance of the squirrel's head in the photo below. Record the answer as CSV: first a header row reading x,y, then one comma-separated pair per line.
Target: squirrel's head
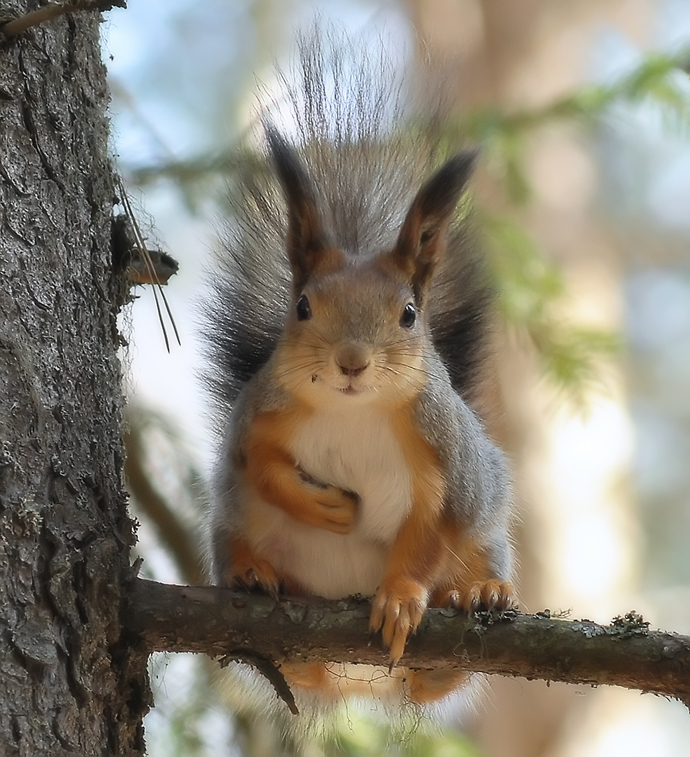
x,y
358,328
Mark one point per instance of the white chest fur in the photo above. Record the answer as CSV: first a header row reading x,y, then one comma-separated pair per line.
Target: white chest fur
x,y
354,450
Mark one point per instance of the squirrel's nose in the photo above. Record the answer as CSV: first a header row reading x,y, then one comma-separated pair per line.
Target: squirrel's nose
x,y
352,360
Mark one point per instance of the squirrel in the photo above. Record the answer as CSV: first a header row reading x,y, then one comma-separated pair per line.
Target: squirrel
x,y
346,335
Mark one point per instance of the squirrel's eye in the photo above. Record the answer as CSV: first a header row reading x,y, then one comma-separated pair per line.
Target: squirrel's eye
x,y
303,309
409,316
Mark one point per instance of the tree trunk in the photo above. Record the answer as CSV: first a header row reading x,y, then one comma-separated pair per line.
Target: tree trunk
x,y
66,683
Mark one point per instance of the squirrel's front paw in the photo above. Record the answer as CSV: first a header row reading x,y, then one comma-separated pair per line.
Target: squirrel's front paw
x,y
335,509
397,609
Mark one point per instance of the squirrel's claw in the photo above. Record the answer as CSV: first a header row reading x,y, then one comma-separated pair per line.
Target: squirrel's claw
x,y
397,610
258,577
485,595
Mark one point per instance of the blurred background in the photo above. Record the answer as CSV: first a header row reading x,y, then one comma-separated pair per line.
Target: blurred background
x,y
583,111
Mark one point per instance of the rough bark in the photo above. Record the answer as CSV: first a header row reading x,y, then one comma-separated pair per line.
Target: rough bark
x,y
223,623
66,683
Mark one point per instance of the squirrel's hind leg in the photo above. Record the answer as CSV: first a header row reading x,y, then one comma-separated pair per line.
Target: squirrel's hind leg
x,y
479,595
426,686
307,675
475,578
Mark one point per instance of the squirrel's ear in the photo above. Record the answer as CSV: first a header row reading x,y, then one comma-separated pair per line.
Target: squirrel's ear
x,y
305,237
421,240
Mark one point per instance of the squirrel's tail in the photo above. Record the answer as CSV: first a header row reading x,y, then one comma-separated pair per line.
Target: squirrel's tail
x,y
366,152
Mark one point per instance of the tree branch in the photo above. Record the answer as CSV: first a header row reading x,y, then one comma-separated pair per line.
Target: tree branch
x,y
220,622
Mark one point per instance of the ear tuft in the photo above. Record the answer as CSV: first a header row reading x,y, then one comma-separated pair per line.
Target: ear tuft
x,y
293,178
421,241
305,237
439,196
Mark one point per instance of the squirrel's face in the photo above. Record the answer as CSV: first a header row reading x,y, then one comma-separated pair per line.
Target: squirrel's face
x,y
355,331
353,335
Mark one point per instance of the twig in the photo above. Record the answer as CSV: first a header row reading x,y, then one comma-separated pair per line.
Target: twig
x,y
144,255
53,10
268,670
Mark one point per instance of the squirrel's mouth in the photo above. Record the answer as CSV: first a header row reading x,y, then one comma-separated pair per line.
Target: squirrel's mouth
x,y
350,390
354,389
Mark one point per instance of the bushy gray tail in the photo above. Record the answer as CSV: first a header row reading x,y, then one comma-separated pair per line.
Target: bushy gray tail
x,y
367,154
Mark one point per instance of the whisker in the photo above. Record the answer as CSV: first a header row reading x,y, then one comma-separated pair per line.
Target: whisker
x,y
457,557
409,370
298,371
